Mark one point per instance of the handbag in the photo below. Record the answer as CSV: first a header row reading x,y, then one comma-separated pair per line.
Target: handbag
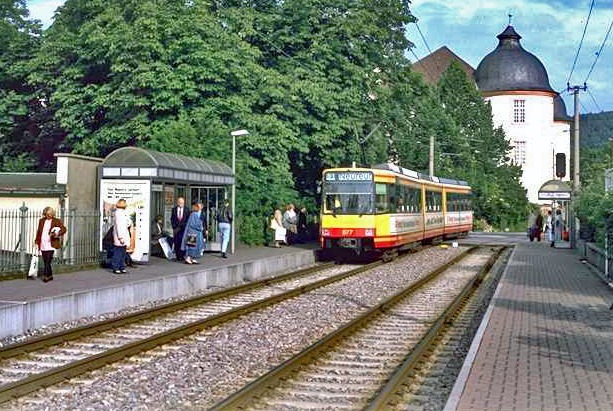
x,y
33,271
192,240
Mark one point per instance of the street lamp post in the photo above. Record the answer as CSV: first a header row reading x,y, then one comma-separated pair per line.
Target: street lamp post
x,y
234,134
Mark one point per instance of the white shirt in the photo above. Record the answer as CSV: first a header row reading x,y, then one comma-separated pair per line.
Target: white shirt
x,y
45,238
121,228
549,221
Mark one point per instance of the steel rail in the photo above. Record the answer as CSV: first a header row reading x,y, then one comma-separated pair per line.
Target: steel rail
x,y
62,373
46,341
249,392
380,400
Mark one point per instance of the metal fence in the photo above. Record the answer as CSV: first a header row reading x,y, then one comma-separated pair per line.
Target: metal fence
x,y
18,231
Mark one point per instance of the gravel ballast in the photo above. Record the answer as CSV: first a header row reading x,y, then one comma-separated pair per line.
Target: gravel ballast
x,y
196,372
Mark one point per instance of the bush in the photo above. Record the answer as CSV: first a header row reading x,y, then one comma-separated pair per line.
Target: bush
x,y
252,230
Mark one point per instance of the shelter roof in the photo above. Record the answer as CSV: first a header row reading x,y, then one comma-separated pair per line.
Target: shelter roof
x,y
138,162
555,190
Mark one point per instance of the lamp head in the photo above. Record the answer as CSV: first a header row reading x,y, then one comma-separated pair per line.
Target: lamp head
x,y
241,132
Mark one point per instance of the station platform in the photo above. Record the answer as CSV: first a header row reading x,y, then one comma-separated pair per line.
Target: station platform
x,y
31,304
546,341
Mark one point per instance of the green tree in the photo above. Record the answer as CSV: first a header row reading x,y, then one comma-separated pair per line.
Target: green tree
x,y
596,128
594,205
19,37
329,56
134,73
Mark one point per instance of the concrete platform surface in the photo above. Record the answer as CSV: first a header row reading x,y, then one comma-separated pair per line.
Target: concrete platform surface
x,y
546,342
29,304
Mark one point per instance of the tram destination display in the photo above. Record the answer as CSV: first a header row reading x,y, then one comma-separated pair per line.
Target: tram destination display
x,y
348,176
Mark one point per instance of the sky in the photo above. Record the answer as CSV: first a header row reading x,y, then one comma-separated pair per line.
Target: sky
x,y
550,29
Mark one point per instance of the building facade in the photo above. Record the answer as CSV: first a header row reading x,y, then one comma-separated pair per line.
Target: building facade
x,y
531,113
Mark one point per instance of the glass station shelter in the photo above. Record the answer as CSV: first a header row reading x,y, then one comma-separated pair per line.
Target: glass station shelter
x,y
151,181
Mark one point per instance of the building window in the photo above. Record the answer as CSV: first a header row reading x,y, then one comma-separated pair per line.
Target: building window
x,y
519,111
519,152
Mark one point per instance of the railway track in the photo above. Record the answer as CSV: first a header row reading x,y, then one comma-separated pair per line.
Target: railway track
x,y
49,359
364,363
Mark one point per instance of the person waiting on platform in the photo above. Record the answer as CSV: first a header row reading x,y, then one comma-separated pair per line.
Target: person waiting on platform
x,y
121,238
549,228
178,219
290,222
224,218
192,242
157,233
276,224
559,226
303,228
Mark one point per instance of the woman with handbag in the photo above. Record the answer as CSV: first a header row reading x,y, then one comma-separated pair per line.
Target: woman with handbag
x,y
290,223
276,224
193,241
48,239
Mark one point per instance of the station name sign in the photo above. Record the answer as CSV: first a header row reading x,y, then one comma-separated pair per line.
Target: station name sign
x,y
554,195
348,176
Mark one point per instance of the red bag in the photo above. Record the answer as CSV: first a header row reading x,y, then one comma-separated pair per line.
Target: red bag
x,y
565,235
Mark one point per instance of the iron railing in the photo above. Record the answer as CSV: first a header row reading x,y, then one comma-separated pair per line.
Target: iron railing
x,y
18,230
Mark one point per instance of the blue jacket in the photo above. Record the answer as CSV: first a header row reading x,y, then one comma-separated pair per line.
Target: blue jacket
x,y
193,226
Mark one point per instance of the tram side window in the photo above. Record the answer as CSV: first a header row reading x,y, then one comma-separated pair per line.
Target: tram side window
x,y
409,199
385,201
434,201
401,196
466,202
463,202
454,202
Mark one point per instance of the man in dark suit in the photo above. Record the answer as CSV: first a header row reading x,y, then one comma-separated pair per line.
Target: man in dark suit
x,y
178,219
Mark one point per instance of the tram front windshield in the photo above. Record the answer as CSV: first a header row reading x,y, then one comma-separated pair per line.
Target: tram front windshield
x,y
348,198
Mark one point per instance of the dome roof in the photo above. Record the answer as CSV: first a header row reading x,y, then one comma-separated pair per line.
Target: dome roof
x,y
509,67
559,110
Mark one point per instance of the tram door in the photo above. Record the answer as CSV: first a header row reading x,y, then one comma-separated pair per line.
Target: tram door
x,y
212,198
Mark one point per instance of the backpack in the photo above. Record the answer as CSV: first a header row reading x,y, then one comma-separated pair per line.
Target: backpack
x,y
107,240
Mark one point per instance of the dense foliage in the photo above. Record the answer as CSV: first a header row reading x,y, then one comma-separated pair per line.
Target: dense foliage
x,y
317,84
594,205
596,129
19,41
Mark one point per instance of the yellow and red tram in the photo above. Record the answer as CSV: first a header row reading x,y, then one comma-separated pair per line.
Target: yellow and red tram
x,y
386,208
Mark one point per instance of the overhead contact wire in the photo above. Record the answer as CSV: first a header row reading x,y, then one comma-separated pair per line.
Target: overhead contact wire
x,y
599,52
581,42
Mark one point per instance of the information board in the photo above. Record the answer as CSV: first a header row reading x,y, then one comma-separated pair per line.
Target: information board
x,y
137,194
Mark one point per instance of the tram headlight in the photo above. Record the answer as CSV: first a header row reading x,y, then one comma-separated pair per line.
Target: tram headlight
x,y
369,232
325,232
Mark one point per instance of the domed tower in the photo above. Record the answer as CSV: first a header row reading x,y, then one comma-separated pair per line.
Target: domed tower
x,y
531,113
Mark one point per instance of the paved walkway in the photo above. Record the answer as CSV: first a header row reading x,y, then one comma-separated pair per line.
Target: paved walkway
x,y
547,340
28,290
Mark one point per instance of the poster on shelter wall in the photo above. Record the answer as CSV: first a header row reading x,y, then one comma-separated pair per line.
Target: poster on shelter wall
x,y
137,194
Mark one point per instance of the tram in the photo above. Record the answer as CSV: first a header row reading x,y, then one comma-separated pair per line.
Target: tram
x,y
385,208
